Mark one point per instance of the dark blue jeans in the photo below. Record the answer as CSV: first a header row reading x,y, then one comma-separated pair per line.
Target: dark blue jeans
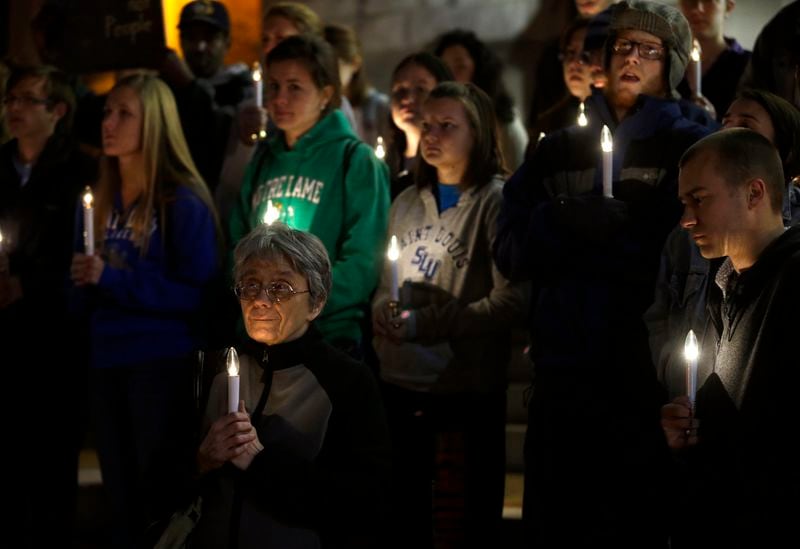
x,y
145,429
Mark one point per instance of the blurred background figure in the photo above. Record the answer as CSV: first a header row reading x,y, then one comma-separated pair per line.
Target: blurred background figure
x,y
577,77
723,58
42,173
775,62
370,107
413,78
470,60
146,289
550,88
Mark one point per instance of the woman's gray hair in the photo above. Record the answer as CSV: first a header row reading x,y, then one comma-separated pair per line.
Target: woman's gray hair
x,y
303,251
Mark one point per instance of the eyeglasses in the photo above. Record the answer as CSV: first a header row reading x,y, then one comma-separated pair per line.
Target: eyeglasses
x,y
571,56
624,47
24,100
275,291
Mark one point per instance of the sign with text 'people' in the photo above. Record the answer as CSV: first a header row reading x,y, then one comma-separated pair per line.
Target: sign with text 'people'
x,y
103,35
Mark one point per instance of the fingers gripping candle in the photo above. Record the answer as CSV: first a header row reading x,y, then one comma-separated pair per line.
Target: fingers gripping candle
x,y
233,380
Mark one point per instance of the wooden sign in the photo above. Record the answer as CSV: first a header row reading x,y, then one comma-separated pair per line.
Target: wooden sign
x,y
103,35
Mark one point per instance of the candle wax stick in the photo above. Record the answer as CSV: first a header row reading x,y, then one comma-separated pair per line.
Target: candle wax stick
x,y
607,145
691,351
393,255
88,222
233,380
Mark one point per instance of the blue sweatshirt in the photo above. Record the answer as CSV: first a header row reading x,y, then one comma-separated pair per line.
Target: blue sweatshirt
x,y
150,308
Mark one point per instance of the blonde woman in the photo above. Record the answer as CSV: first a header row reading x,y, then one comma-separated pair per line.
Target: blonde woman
x,y
157,251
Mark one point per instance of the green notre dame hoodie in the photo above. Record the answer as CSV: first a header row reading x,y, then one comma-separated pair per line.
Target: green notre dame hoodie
x,y
331,185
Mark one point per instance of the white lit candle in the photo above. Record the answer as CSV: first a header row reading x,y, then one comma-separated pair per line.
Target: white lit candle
x,y
691,352
607,144
233,380
582,120
698,69
88,221
271,214
1,242
394,254
380,151
258,83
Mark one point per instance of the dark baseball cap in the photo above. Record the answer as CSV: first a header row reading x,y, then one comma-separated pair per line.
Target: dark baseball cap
x,y
205,11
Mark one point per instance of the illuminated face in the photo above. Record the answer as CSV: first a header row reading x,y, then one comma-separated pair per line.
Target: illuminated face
x,y
122,123
275,29
576,69
460,62
294,101
204,47
410,88
713,209
706,17
446,136
27,112
746,113
631,73
590,8
270,322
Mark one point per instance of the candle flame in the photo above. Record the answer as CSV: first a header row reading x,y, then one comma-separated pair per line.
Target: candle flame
x,y
582,120
88,199
690,348
394,250
605,140
232,362
256,71
542,135
1,238
271,214
380,151
695,54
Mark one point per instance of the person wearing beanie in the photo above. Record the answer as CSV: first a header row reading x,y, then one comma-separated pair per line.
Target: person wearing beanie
x,y
593,424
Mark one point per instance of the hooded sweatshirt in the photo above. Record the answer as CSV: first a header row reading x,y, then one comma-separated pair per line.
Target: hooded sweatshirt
x,y
463,309
331,185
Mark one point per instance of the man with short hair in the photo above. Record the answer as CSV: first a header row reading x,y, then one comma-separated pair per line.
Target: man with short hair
x,y
593,416
41,177
737,444
208,92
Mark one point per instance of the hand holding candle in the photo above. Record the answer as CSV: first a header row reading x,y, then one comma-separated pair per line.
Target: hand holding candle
x,y
88,221
232,363
698,68
607,144
691,352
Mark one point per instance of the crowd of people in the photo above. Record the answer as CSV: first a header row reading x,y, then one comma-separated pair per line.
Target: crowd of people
x,y
351,266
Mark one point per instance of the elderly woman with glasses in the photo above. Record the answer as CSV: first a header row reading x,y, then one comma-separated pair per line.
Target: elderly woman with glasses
x,y
308,448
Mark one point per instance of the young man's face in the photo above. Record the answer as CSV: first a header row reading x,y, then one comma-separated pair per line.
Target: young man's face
x,y
636,67
714,211
28,110
204,47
